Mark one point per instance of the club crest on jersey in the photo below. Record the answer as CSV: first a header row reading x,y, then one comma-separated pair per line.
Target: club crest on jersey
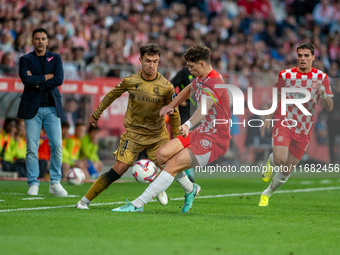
x,y
205,143
280,138
314,85
156,90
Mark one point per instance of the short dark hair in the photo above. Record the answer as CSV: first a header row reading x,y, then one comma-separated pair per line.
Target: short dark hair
x,y
92,128
151,49
80,124
65,124
39,30
308,46
197,53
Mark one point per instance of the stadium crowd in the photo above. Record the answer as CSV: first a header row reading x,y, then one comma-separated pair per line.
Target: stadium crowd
x,y
98,37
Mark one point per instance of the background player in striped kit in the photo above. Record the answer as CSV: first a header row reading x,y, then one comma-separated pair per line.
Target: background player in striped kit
x,y
290,143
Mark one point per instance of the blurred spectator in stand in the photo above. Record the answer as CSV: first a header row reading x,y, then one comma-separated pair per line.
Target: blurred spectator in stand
x,y
97,67
6,65
261,8
333,122
321,128
89,152
8,145
70,113
20,150
73,145
44,154
66,159
323,13
6,44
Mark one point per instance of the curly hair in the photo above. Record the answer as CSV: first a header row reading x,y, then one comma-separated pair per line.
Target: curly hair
x,y
197,53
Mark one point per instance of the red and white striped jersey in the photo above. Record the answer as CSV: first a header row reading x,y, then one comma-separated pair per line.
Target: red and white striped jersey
x,y
221,108
294,79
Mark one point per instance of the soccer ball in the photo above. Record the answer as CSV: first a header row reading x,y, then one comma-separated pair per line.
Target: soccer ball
x,y
144,171
75,176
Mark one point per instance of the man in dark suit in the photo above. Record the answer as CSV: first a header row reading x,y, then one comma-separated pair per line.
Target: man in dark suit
x,y
41,72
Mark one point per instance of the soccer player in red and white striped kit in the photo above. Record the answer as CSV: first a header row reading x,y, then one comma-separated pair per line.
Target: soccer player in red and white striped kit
x,y
290,143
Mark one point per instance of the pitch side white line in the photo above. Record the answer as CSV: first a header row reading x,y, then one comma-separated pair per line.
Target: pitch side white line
x,y
32,198
181,198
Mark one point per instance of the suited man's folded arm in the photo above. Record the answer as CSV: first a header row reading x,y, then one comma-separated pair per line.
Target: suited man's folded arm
x,y
29,80
58,78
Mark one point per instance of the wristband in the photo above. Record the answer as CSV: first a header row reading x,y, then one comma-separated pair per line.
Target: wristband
x,y
188,123
94,117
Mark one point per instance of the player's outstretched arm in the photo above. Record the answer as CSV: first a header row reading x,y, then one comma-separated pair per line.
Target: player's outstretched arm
x,y
115,93
182,96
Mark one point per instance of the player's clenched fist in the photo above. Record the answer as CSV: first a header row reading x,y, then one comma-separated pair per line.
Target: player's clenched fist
x,y
322,90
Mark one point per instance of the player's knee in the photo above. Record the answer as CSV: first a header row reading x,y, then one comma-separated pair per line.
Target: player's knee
x,y
120,167
279,160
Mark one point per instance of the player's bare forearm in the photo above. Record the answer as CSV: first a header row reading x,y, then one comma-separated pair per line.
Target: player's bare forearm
x,y
328,103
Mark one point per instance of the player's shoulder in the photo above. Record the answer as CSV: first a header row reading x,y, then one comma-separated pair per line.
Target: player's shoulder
x,y
318,73
132,78
215,74
288,71
162,81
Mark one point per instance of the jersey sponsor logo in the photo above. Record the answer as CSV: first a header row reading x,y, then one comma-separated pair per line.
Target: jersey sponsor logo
x,y
149,99
205,143
132,96
156,90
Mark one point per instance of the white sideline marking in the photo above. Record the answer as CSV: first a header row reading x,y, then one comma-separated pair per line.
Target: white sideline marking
x,y
181,198
11,193
32,198
325,181
306,182
2,200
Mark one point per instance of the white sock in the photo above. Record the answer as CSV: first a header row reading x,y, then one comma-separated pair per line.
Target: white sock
x,y
84,199
162,182
183,180
278,180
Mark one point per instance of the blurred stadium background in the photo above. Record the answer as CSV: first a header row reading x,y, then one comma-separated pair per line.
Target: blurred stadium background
x,y
251,42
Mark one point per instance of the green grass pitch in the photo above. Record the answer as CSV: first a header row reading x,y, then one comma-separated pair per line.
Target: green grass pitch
x,y
295,223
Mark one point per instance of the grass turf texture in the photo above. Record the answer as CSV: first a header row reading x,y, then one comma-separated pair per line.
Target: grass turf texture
x,y
294,223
